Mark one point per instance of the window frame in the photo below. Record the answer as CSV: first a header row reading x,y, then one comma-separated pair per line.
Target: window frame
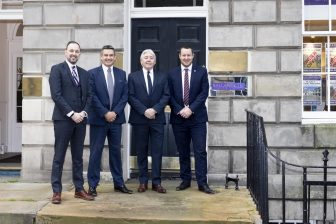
x,y
318,117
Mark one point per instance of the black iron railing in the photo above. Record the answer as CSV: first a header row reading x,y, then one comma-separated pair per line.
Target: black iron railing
x,y
257,173
257,167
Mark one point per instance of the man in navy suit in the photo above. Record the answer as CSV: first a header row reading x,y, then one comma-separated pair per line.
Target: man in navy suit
x,y
70,90
189,87
109,98
148,96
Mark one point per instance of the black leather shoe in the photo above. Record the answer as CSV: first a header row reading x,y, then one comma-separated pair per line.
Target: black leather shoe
x,y
123,189
206,189
183,185
92,191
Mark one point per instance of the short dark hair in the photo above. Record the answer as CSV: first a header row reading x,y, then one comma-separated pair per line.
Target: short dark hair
x,y
186,47
72,42
107,47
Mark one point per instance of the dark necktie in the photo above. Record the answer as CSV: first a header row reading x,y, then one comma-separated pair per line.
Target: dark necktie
x,y
110,86
186,88
74,75
150,85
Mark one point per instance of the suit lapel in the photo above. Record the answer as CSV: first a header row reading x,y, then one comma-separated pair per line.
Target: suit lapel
x,y
116,80
156,76
179,81
68,73
193,79
141,79
102,79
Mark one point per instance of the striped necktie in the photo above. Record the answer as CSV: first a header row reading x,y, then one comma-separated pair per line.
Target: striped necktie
x,y
186,88
74,75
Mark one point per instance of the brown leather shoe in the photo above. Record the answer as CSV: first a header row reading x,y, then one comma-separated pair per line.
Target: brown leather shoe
x,y
142,188
158,188
56,198
83,195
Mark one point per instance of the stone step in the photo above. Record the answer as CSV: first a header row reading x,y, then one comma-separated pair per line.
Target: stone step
x,y
189,206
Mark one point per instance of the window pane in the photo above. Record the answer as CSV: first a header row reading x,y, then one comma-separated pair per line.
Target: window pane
x,y
138,3
332,67
19,89
316,15
314,92
314,77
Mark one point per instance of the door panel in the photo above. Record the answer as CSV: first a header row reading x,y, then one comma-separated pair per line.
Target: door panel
x,y
165,36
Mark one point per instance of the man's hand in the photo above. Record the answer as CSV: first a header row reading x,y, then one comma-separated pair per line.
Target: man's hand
x,y
110,116
150,113
77,117
185,112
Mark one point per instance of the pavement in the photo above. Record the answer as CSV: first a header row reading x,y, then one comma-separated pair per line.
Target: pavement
x,y
29,203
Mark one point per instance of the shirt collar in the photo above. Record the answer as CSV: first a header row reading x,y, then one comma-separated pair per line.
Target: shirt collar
x,y
105,68
145,71
189,67
70,65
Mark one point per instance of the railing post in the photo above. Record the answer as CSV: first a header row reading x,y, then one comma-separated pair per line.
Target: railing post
x,y
283,192
304,194
325,172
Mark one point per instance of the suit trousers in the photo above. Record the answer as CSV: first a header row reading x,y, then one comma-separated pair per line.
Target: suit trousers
x,y
68,131
196,133
98,135
145,135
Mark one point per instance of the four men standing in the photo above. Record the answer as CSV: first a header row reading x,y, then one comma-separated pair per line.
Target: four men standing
x,y
103,99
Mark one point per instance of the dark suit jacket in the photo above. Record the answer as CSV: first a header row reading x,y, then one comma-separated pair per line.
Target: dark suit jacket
x,y
100,97
199,89
140,101
66,95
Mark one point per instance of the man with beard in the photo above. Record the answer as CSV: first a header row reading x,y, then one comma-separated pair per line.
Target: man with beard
x,y
71,92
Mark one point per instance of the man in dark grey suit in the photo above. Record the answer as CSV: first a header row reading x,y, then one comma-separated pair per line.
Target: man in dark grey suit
x,y
70,90
148,96
109,98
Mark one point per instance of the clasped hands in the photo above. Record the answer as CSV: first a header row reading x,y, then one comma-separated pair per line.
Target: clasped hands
x,y
78,117
110,116
150,113
185,112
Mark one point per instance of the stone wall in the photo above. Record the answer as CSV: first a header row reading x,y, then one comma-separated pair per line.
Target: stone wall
x,y
48,26
269,33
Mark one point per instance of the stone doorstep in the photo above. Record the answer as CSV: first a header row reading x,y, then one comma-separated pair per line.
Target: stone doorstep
x,y
30,203
189,206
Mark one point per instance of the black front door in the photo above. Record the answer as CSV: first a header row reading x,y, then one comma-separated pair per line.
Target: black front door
x,y
165,37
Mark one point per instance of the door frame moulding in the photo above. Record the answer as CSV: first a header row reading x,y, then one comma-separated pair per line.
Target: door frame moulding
x,y
130,12
11,14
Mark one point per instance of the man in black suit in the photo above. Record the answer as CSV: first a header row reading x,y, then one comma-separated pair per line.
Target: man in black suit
x,y
148,96
189,87
70,90
109,98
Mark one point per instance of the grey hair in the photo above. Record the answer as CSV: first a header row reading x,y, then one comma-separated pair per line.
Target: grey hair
x,y
147,51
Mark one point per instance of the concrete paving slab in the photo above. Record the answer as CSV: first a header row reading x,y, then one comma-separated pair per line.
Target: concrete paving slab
x,y
189,206
20,202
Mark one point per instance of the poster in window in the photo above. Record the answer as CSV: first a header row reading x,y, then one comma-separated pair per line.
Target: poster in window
x,y
312,90
312,53
332,57
333,90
